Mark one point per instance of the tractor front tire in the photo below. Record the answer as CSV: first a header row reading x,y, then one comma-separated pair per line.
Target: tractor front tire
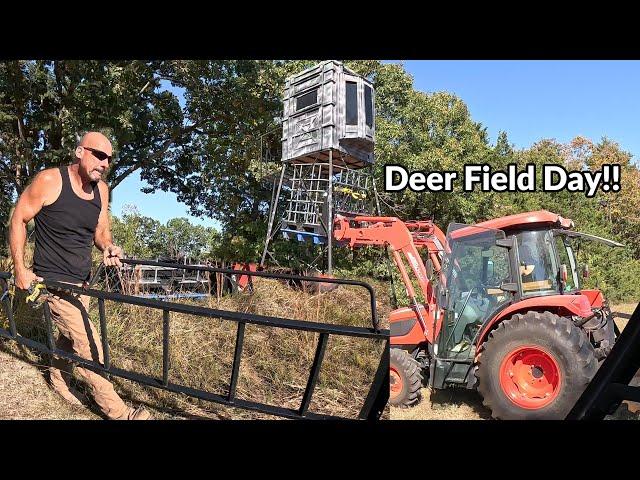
x,y
405,379
535,366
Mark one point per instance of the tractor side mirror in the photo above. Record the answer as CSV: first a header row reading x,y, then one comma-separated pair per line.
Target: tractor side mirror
x,y
443,298
563,277
563,273
585,271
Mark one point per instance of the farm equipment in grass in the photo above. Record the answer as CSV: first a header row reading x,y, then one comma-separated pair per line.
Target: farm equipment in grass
x,y
502,312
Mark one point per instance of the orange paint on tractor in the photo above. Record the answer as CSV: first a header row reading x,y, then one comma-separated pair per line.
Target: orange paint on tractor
x,y
594,297
530,377
562,304
528,220
416,335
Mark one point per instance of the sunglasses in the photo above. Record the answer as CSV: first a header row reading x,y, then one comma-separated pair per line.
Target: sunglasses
x,y
100,155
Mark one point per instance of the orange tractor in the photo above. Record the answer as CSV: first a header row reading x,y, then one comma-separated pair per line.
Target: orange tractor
x,y
502,311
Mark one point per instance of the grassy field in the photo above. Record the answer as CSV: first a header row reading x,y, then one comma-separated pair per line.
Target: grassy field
x,y
274,369
462,404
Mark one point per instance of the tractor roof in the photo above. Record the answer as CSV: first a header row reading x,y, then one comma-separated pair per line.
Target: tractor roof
x,y
539,218
521,221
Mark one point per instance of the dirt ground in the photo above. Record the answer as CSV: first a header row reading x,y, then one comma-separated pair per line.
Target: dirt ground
x,y
24,393
462,404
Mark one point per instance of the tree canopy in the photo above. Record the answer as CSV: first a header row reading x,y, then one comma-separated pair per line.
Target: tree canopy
x,y
210,132
178,238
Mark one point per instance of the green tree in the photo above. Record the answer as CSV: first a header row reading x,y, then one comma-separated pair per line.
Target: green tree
x,y
144,237
46,105
433,132
181,239
137,234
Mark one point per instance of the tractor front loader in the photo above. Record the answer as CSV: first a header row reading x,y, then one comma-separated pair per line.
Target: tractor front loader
x,y
502,311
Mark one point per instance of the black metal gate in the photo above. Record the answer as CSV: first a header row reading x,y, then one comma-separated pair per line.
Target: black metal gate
x,y
374,403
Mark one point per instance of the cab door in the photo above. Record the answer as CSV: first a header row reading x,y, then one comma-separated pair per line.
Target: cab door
x,y
478,283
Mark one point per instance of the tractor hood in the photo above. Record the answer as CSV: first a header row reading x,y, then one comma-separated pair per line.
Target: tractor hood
x,y
586,236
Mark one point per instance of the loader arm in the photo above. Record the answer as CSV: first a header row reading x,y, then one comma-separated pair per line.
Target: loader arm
x,y
404,239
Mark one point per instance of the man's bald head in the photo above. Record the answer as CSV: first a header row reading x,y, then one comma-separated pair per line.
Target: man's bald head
x,y
96,140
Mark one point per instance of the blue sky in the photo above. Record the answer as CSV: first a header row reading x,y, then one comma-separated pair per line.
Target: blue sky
x,y
530,100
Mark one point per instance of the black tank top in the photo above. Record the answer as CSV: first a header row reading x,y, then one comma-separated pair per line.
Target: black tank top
x,y
64,235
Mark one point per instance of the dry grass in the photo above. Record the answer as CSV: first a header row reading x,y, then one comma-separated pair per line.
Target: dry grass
x,y
275,362
461,404
274,368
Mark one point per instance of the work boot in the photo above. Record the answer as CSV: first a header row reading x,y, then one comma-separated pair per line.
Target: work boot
x,y
139,413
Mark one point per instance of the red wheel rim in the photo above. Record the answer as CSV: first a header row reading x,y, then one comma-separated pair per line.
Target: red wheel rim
x,y
530,377
395,382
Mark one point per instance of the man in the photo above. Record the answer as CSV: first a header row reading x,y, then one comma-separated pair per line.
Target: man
x,y
69,206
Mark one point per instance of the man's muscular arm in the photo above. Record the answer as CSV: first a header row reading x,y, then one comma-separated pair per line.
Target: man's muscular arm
x,y
111,254
34,197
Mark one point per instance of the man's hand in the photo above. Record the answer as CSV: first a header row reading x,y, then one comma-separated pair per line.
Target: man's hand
x,y
25,278
111,256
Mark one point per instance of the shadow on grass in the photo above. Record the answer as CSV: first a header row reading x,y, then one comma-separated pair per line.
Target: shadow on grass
x,y
163,401
41,362
443,399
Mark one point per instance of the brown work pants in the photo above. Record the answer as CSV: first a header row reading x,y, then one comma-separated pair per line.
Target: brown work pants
x,y
78,335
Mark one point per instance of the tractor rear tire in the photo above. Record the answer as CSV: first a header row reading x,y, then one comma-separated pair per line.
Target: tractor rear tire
x,y
535,366
405,379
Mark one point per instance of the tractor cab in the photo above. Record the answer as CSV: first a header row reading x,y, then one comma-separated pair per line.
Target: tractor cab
x,y
477,283
494,269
